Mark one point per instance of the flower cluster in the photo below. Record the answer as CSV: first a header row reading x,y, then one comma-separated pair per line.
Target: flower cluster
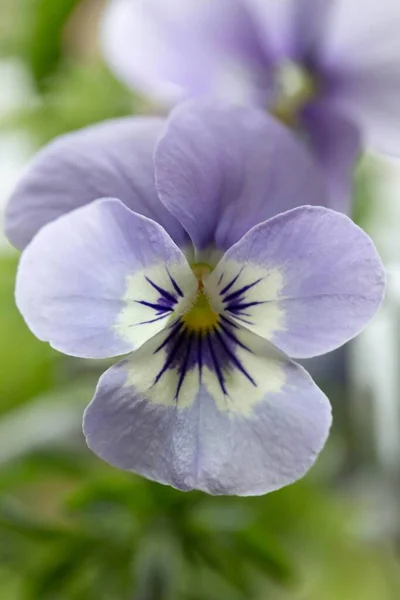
x,y
203,246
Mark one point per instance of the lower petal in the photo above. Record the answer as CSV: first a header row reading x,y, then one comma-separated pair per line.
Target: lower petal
x,y
251,438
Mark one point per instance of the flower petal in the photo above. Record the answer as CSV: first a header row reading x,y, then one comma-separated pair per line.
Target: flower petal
x,y
251,440
336,144
113,159
361,54
186,47
293,27
222,169
101,281
307,280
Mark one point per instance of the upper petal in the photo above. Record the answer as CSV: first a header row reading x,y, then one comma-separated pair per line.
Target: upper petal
x,y
101,280
221,169
293,27
113,159
335,142
308,280
360,54
246,437
362,39
175,48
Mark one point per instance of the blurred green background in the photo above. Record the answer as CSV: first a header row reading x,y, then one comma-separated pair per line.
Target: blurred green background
x,y
73,528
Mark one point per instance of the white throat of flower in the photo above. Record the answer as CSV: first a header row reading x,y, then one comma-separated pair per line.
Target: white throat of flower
x,y
200,329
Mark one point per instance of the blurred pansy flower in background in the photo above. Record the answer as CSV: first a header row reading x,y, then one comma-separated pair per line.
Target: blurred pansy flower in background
x,y
196,258
327,67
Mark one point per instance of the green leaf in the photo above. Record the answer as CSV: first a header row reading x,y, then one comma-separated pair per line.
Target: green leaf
x,y
18,521
51,420
267,554
220,556
44,24
158,566
55,575
79,96
27,365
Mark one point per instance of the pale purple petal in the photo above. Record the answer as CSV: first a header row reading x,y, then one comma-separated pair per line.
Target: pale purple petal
x,y
113,159
362,39
361,55
171,49
100,281
294,28
308,280
222,169
203,440
336,144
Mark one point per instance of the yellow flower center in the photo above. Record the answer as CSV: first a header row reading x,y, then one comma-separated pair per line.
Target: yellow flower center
x,y
297,87
201,317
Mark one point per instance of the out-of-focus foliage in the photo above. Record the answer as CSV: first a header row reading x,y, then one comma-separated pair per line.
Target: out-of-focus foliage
x,y
73,528
9,27
27,366
77,97
42,28
70,88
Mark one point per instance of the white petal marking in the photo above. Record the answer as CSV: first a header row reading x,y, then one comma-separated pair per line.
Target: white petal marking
x,y
261,373
139,320
263,363
261,312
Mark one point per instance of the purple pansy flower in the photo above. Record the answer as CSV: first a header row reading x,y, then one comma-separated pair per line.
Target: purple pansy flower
x,y
328,67
182,260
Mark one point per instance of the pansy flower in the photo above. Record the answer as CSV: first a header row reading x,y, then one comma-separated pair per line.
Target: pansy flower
x,y
183,244
330,68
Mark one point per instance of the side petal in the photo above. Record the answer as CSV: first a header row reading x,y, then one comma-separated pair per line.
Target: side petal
x,y
101,281
360,55
113,159
308,280
221,169
242,442
335,142
184,48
